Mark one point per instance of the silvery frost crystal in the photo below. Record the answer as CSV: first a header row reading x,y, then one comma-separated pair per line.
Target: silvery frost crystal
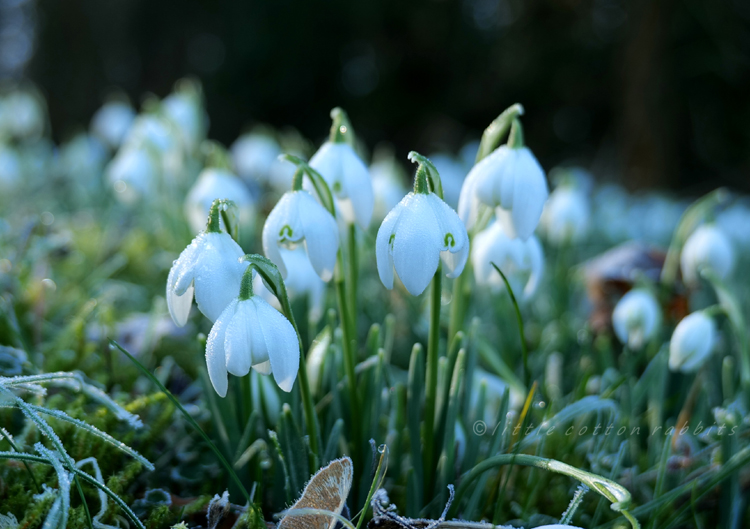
x,y
299,219
512,179
518,259
419,232
636,318
692,342
707,247
209,269
346,175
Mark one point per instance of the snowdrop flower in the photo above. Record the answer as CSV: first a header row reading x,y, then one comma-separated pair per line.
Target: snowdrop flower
x,y
565,218
417,234
707,247
301,280
82,159
216,183
636,318
112,122
298,219
692,342
452,175
345,173
251,333
387,186
510,177
185,109
209,268
254,154
515,257
132,174
734,222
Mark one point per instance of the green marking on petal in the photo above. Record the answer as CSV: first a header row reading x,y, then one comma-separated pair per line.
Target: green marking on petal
x,y
286,232
337,187
390,241
449,241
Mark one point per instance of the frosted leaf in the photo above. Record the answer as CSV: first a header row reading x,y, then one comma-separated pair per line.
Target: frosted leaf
x,y
8,521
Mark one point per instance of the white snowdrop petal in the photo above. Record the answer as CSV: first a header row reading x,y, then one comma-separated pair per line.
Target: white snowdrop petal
x,y
179,306
218,273
240,339
455,261
536,265
529,194
358,187
264,368
215,353
467,201
321,235
416,245
692,342
383,245
282,344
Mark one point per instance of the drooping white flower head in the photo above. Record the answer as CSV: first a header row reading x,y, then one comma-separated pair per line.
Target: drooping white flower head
x,y
132,174
510,178
521,261
298,219
707,247
565,218
82,159
250,333
209,269
734,221
216,183
349,180
345,173
254,154
387,186
416,235
692,342
112,122
301,280
636,318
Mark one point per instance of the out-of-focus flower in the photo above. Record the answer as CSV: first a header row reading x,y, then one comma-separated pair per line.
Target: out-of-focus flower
x,y
452,175
349,180
82,159
254,154
419,232
692,342
521,261
184,108
251,333
301,280
216,183
112,122
299,219
511,178
160,134
24,115
387,185
636,318
132,174
610,212
209,268
706,248
565,218
11,172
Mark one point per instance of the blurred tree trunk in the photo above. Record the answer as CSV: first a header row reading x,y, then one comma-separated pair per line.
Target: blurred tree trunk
x,y
646,146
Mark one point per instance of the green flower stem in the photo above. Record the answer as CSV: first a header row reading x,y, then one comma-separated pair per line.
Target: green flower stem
x,y
519,319
515,138
496,130
214,215
341,128
353,262
299,176
246,284
431,382
350,360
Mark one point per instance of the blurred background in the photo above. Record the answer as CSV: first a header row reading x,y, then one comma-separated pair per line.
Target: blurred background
x,y
648,94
